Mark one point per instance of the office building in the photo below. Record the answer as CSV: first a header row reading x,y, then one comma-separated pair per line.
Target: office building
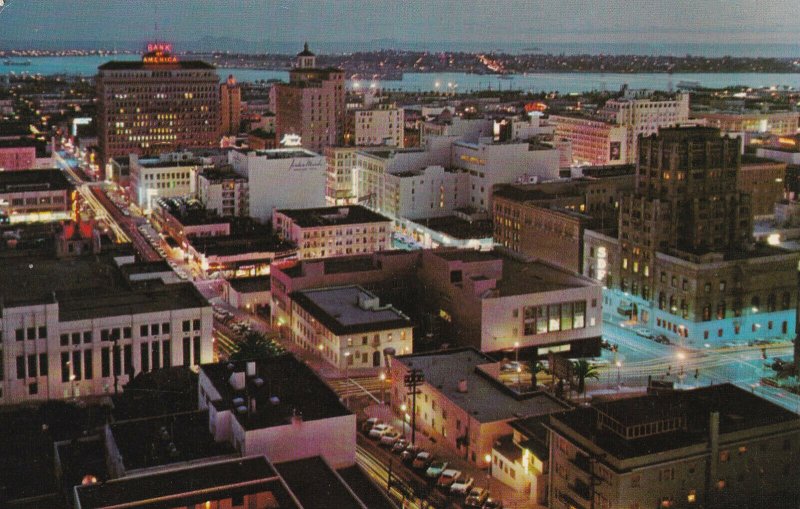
x,y
159,104
340,179
35,196
333,231
280,179
19,154
461,402
311,106
224,192
230,107
764,180
170,175
382,126
782,123
683,262
349,327
717,446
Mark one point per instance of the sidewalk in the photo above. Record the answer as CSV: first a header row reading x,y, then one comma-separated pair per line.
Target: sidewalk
x,y
511,498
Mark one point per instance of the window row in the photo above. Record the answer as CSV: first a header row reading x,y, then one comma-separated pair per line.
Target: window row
x,y
554,317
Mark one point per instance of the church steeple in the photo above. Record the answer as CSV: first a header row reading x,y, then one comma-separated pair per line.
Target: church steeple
x,y
306,59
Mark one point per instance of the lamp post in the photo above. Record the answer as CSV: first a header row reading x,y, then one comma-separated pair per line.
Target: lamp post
x,y
488,459
382,376
346,362
403,409
619,375
516,352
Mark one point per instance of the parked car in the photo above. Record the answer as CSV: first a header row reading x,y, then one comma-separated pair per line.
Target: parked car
x,y
513,366
476,497
409,454
399,446
370,423
492,503
462,486
422,460
379,430
664,340
390,438
643,332
435,469
448,477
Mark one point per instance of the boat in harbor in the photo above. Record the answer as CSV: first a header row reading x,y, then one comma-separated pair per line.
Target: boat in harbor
x,y
18,62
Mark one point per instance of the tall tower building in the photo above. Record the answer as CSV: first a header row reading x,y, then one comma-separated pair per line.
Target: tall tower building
x,y
311,106
686,203
159,104
230,105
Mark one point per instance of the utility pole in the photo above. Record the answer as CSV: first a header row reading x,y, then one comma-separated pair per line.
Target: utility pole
x,y
411,380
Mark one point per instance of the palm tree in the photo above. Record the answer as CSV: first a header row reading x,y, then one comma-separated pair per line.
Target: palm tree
x,y
256,345
582,369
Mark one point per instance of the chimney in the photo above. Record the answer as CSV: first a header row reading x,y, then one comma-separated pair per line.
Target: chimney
x,y
462,385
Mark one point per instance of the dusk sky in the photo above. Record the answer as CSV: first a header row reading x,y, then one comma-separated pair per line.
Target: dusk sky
x,y
725,21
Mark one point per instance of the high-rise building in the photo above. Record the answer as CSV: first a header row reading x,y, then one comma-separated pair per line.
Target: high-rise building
x,y
159,104
230,104
311,106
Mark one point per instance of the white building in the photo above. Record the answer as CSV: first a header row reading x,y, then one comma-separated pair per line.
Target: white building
x,y
379,126
348,327
281,178
224,192
168,176
593,141
333,231
279,408
81,326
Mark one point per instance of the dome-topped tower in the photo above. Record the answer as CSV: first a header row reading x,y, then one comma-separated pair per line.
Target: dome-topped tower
x,y
306,59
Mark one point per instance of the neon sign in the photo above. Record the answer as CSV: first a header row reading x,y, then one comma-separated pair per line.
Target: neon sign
x,y
159,53
291,140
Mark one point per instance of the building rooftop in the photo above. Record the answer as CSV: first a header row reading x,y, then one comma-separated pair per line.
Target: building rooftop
x,y
287,386
189,212
33,180
18,143
487,399
459,228
333,216
189,486
250,284
316,485
280,153
349,310
136,65
216,175
234,245
738,409
389,153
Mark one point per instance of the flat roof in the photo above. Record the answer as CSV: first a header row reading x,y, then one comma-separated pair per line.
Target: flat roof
x,y
133,65
333,216
189,486
190,212
458,228
236,245
33,180
486,399
295,385
340,311
280,153
389,153
18,143
220,174
739,410
88,287
316,485
250,284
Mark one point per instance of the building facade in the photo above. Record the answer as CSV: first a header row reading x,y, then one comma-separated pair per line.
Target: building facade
x,y
171,175
383,125
35,195
159,104
311,105
17,155
224,192
230,105
593,141
333,231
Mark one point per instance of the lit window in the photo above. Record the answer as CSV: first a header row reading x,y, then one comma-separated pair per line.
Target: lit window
x,y
691,497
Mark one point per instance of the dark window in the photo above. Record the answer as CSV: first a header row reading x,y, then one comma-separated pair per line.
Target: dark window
x,y
104,335
144,357
143,330
105,363
187,351
87,365
166,354
154,329
65,366
43,368
31,332
187,326
33,389
197,349
165,328
20,334
76,338
196,324
20,367
237,500
42,332
456,276
156,349
32,371
87,336
76,364
128,355
115,334
64,340
117,361
126,332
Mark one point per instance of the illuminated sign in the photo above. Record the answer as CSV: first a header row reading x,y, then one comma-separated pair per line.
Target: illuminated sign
x,y
159,53
473,160
787,141
536,106
291,140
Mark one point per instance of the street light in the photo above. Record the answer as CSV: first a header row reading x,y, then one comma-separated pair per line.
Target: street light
x,y
346,362
516,351
488,459
403,409
619,380
383,381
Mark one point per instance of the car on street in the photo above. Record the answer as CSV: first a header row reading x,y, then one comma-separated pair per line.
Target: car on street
x,y
492,503
643,332
409,454
462,486
380,430
389,439
370,423
660,338
422,461
476,498
448,477
435,469
513,366
399,446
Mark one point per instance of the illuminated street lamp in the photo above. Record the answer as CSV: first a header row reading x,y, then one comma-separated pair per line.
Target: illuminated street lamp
x,y
404,416
382,376
488,459
619,379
